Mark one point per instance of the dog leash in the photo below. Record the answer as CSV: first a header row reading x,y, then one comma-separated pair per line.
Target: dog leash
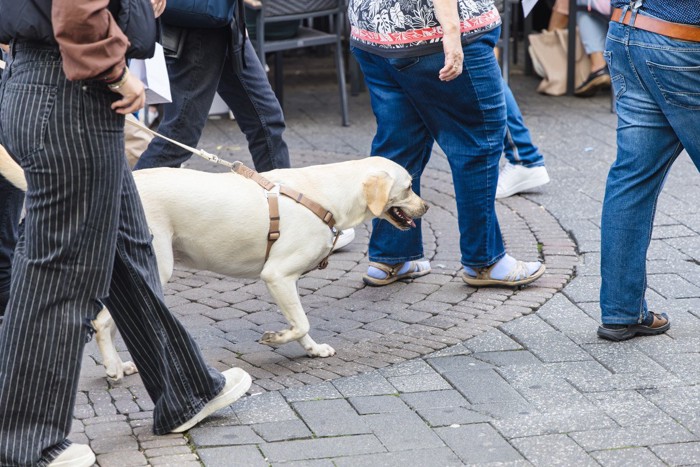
x,y
272,196
197,152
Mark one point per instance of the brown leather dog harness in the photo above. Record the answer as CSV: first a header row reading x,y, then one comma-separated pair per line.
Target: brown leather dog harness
x,y
274,233
272,198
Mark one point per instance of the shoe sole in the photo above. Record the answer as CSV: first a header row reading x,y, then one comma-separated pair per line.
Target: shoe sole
x,y
373,282
225,400
618,335
343,240
474,282
524,186
591,89
86,460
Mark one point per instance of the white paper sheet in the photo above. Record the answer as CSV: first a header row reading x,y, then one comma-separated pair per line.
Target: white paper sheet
x,y
154,74
528,5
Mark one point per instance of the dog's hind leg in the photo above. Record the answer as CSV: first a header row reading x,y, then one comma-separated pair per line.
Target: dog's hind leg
x,y
284,291
105,332
163,249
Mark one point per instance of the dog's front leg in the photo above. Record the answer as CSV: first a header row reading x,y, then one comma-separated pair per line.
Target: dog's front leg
x,y
284,291
105,332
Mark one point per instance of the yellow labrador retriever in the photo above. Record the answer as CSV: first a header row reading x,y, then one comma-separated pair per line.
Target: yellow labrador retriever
x,y
220,222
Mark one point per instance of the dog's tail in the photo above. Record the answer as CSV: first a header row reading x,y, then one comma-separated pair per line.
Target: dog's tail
x,y
11,170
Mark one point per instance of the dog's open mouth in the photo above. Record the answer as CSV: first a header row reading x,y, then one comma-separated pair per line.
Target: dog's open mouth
x,y
401,217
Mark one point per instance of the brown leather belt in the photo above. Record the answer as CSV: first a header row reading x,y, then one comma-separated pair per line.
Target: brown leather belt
x,y
684,32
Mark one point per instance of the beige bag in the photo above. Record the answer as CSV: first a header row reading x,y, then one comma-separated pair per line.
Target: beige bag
x,y
548,53
135,140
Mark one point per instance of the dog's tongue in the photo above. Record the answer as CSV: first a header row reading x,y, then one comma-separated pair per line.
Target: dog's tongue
x,y
411,223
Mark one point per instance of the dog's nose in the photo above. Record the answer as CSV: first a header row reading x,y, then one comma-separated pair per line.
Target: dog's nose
x,y
426,206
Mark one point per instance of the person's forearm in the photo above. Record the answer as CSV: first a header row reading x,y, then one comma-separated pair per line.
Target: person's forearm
x,y
447,15
91,43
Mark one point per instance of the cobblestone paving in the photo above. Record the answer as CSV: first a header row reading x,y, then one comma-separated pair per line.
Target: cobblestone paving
x,y
433,372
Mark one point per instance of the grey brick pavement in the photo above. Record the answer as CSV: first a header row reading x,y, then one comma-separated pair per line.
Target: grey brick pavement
x,y
434,372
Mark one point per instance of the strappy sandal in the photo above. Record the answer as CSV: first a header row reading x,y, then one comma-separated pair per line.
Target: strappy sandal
x,y
516,277
659,325
392,273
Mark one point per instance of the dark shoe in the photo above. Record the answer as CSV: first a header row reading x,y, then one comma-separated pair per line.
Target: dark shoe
x,y
655,324
4,297
597,80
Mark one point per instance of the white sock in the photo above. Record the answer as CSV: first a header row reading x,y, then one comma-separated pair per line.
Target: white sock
x,y
379,274
503,267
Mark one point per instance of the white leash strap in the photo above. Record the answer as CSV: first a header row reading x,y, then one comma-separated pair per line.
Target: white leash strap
x,y
199,152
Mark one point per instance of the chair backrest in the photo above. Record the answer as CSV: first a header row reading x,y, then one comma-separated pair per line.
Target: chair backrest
x,y
305,8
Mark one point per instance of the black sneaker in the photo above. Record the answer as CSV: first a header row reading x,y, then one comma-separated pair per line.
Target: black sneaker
x,y
654,324
597,80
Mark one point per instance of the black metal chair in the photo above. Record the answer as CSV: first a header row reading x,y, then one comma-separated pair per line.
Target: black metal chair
x,y
511,17
277,11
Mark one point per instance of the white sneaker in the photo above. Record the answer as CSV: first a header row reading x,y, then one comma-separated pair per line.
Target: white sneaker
x,y
76,455
344,239
516,178
237,383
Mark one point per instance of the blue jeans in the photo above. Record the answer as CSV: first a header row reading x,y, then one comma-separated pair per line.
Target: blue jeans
x,y
85,242
518,145
204,66
656,82
592,28
466,117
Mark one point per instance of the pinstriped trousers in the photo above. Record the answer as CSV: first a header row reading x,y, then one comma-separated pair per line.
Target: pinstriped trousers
x,y
85,243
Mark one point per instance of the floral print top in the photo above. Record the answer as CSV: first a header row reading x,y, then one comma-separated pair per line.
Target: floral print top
x,y
404,28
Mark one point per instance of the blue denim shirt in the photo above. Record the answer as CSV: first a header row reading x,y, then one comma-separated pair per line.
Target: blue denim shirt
x,y
675,11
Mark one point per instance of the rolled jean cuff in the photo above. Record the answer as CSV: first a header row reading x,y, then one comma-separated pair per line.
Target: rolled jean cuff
x,y
396,260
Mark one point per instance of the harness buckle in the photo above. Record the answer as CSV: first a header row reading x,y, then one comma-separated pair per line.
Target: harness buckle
x,y
273,235
274,190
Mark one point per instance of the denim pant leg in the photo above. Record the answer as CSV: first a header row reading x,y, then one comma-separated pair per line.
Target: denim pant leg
x,y
655,80
11,200
258,112
592,29
465,116
170,363
194,77
518,145
404,140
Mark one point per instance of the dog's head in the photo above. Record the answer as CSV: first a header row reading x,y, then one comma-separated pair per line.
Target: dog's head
x,y
390,196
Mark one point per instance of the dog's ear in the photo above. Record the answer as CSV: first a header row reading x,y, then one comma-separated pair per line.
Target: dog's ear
x,y
376,189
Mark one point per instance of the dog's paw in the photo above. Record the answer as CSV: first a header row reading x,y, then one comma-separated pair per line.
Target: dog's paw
x,y
271,338
321,350
116,371
129,368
